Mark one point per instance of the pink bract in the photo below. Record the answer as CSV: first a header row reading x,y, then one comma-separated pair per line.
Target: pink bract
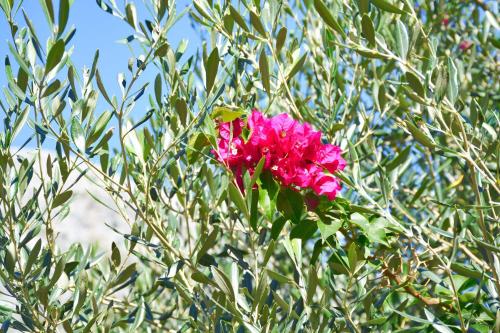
x,y
293,152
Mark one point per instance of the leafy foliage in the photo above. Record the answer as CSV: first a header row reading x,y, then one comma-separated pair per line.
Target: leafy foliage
x,y
409,90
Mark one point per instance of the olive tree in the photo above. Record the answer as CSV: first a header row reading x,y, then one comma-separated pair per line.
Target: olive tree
x,y
409,90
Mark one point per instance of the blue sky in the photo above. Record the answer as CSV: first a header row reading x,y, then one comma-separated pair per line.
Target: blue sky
x,y
96,29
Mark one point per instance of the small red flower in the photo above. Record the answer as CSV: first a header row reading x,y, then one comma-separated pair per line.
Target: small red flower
x,y
465,45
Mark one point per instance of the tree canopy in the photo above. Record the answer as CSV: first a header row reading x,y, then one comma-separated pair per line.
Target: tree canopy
x,y
407,91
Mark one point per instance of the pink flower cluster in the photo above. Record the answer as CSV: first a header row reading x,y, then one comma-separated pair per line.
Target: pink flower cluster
x,y
293,152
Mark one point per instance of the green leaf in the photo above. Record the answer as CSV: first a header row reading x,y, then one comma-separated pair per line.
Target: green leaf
x,y
202,278
382,99
277,226
77,134
162,50
338,264
63,15
441,84
419,135
278,277
209,242
268,194
304,230
280,39
364,6
495,42
55,55
327,16
329,229
211,69
10,75
360,221
99,127
53,87
196,143
436,323
312,283
48,9
356,174
257,24
228,23
452,81
402,39
103,142
131,15
100,85
8,262
22,80
415,84
387,6
236,197
71,78
269,252
372,54
400,159
487,245
20,61
42,294
226,114
254,212
352,256
222,282
139,316
257,171
463,270
93,69
375,321
182,110
124,275
61,198
115,255
204,11
290,204
297,66
264,71
158,89
144,119
375,230
35,251
282,303
367,29
58,270
238,19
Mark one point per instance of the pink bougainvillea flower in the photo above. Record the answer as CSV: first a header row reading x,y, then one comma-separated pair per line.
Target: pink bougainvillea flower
x,y
305,176
231,151
292,150
329,157
231,129
326,185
